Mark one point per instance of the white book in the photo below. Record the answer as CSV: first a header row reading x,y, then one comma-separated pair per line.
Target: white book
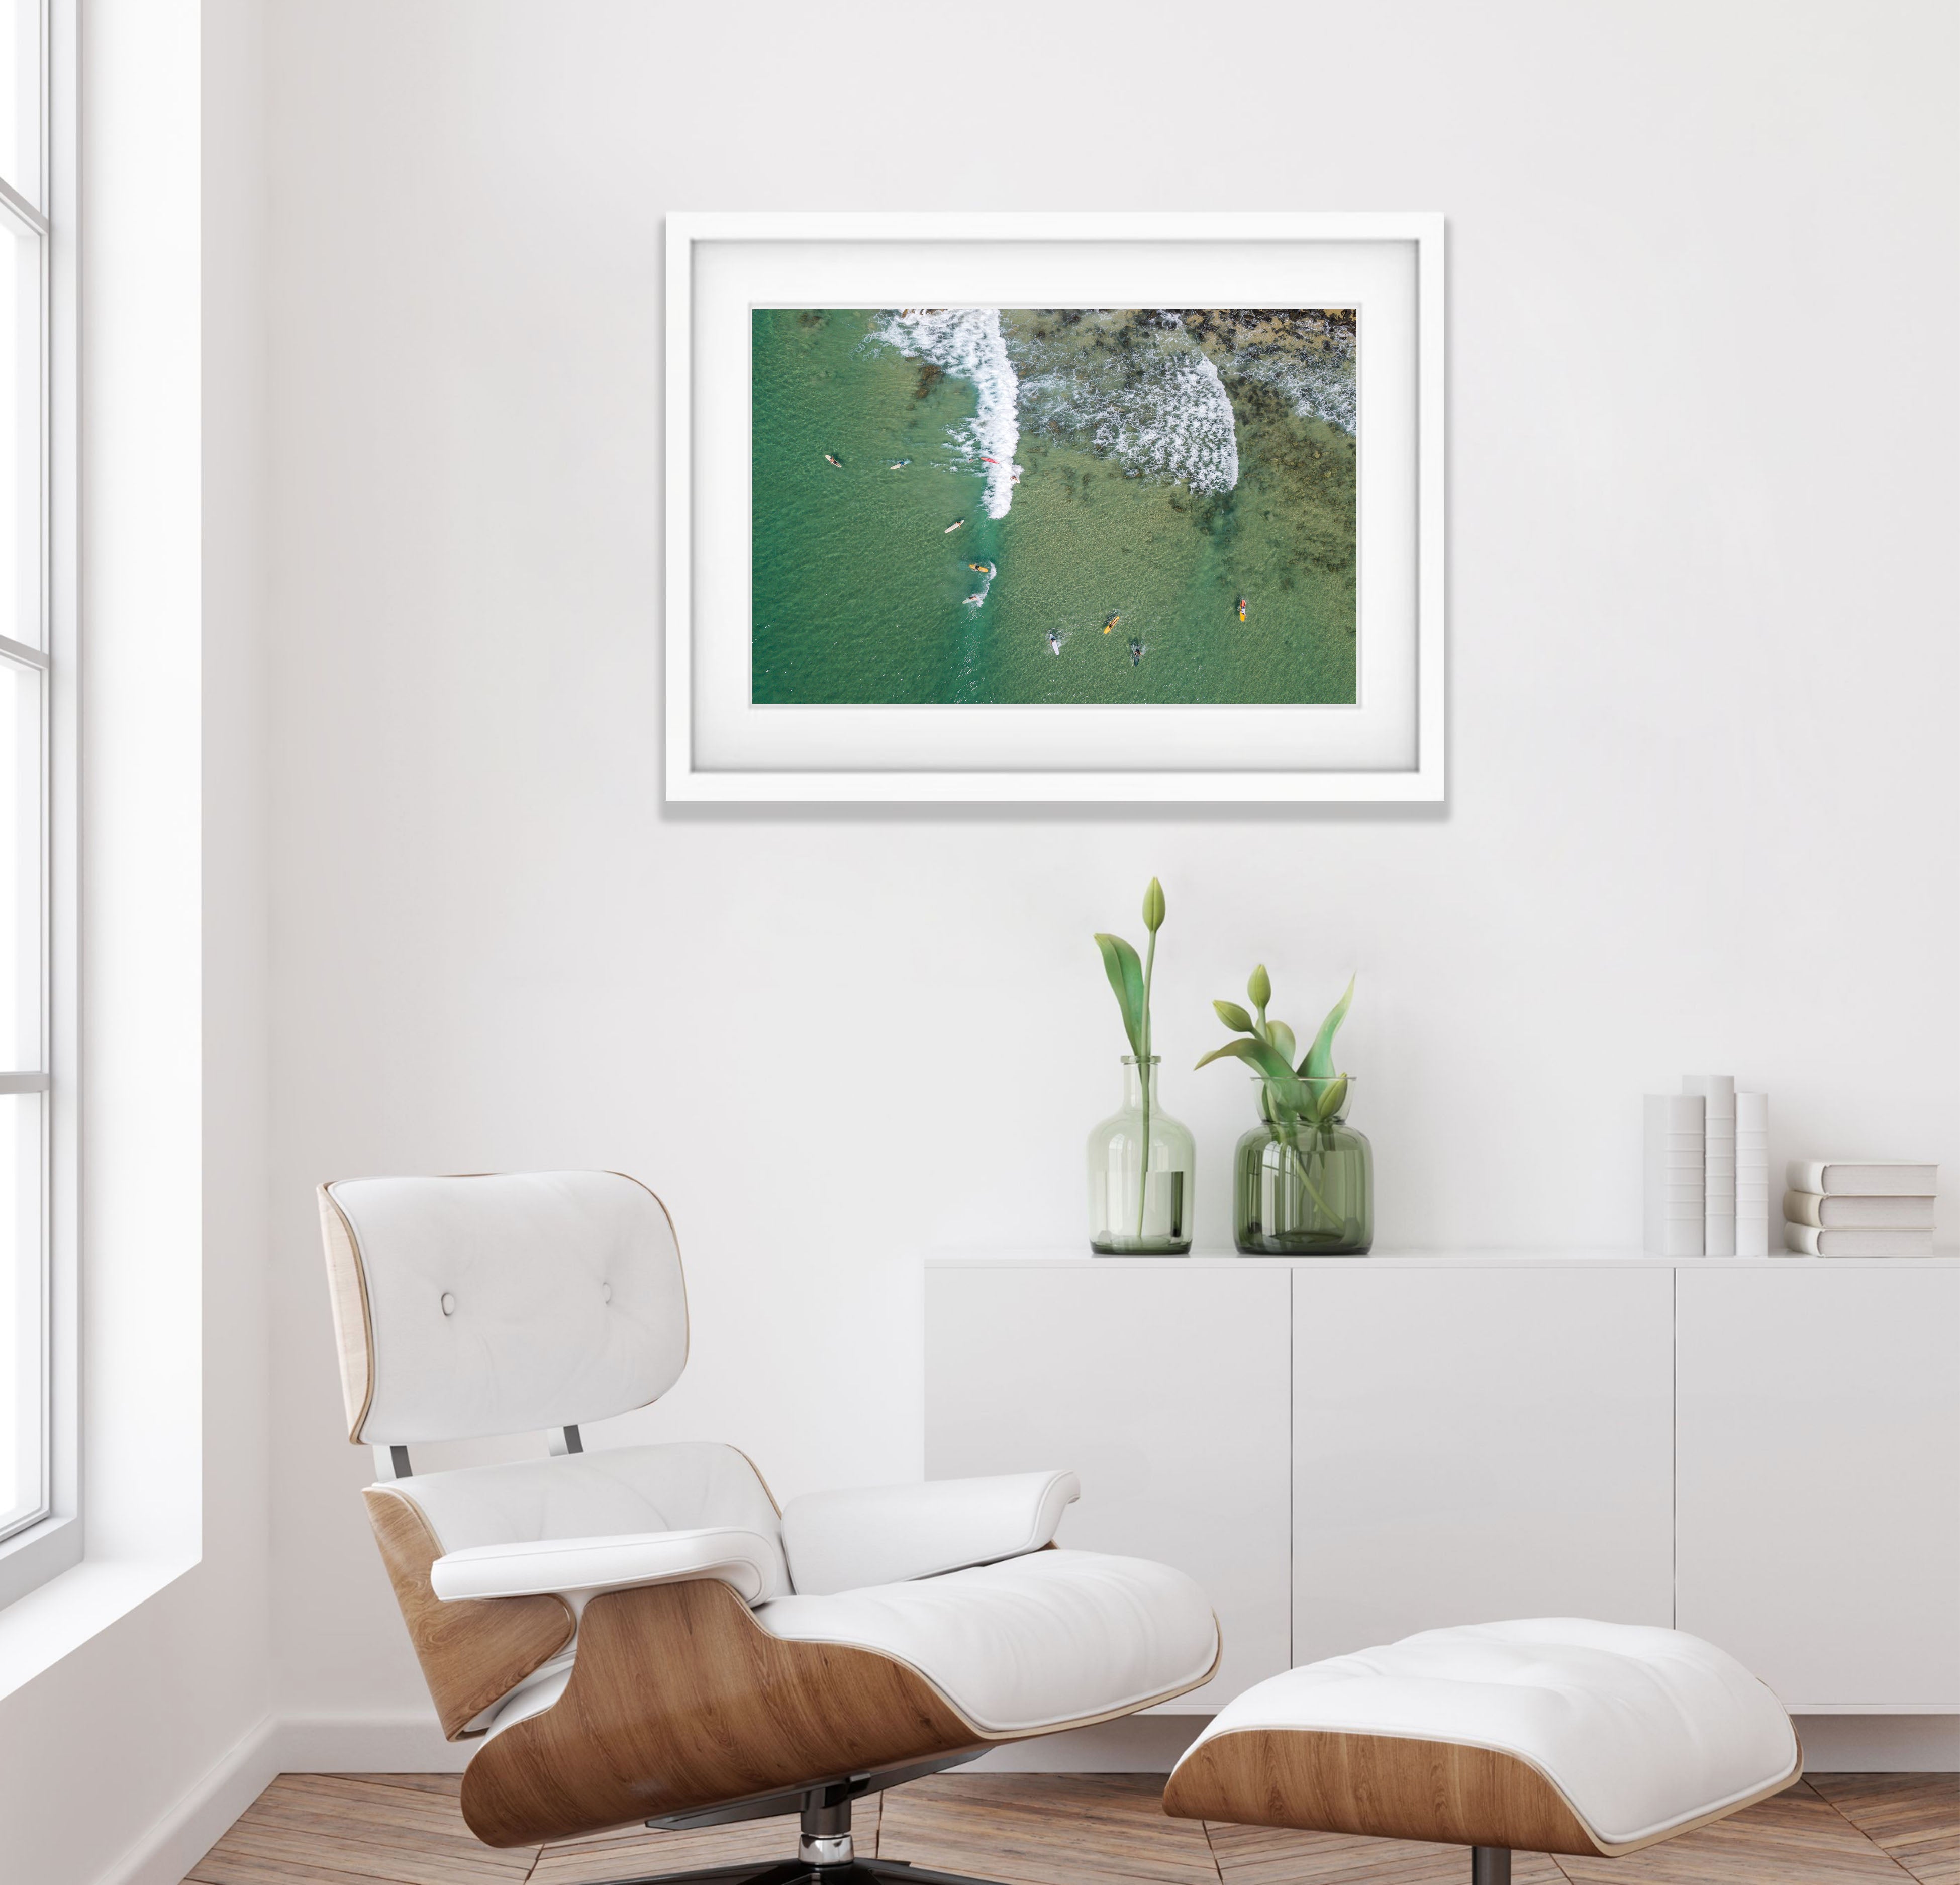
x,y
1717,1094
1809,1240
1844,1212
1869,1178
1674,1200
1719,1090
1752,1174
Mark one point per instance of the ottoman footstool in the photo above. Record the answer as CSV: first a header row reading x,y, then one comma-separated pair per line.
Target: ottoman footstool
x,y
1549,1735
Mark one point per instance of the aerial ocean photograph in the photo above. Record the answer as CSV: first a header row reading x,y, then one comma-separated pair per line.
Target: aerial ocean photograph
x,y
963,506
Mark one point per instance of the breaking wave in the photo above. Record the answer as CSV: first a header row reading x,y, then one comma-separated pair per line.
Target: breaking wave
x,y
968,342
1154,403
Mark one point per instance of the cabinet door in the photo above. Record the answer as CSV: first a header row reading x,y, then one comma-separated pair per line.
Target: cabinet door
x,y
1473,1443
1164,1384
1820,1479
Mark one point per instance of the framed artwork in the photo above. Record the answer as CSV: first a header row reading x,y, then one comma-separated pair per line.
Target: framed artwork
x,y
1054,506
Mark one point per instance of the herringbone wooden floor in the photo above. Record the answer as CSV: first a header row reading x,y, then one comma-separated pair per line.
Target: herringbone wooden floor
x,y
1074,1829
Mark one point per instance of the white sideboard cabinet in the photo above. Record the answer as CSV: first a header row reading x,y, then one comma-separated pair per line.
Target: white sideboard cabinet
x,y
1817,1525
1479,1442
1764,1452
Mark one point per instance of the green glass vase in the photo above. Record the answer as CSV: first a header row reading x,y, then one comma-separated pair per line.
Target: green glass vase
x,y
1302,1190
1140,1207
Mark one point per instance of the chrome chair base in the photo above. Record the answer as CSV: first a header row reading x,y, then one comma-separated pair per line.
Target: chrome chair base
x,y
796,1872
824,1853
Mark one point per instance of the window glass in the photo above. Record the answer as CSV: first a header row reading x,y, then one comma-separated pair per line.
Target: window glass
x,y
21,97
22,1337
21,454
21,875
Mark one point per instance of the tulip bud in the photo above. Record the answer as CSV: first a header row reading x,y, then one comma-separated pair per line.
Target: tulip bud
x,y
1153,907
1233,1016
1260,987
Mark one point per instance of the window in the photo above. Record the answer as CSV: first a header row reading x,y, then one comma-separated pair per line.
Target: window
x,y
29,670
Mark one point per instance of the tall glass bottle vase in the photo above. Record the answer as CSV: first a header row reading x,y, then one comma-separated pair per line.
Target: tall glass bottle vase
x,y
1140,1206
1302,1190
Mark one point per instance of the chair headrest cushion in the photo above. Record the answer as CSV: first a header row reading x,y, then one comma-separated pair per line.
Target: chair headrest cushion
x,y
501,1303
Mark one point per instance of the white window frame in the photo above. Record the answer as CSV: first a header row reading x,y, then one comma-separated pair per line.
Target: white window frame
x,y
39,1549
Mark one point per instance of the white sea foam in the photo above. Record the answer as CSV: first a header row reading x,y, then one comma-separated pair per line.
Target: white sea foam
x,y
967,341
1319,387
1160,411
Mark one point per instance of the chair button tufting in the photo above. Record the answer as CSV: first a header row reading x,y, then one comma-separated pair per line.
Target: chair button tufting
x,y
605,1292
448,1304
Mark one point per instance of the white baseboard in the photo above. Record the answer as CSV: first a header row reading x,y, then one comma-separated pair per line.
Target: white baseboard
x,y
1138,1744
1880,1744
406,1743
410,1742
199,1819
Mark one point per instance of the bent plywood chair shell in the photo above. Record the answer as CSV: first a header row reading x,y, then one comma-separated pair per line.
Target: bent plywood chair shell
x,y
680,1699
472,1654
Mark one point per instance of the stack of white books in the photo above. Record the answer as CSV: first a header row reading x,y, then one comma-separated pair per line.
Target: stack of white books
x,y
1707,1169
1873,1207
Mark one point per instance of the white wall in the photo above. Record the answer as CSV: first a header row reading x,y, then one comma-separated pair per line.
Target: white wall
x,y
1702,665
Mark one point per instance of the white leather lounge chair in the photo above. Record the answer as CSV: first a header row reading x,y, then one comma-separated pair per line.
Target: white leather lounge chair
x,y
639,1634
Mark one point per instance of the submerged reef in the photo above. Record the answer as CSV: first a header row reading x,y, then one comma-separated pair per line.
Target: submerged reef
x,y
1239,410
1128,387
1307,355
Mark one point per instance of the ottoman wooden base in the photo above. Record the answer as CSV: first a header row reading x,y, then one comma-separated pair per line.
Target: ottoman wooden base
x,y
1548,1736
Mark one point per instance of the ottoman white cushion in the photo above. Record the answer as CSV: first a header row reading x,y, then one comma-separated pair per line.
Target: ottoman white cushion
x,y
1644,1731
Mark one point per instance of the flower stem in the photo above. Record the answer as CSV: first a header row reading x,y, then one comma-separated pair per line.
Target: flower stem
x,y
1292,1145
1144,1070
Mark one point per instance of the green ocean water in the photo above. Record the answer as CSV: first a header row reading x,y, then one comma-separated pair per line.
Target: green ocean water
x,y
860,595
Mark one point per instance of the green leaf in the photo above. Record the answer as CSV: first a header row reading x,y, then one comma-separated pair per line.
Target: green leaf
x,y
1260,987
1281,1037
1235,1050
1319,1064
1233,1016
1254,1053
1124,969
1153,907
1327,1097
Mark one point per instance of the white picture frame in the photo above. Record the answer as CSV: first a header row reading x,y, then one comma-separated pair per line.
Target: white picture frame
x,y
1389,745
